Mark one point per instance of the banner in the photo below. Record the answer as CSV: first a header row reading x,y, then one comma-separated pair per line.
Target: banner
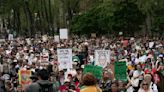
x,y
24,77
120,71
64,33
95,70
64,58
102,57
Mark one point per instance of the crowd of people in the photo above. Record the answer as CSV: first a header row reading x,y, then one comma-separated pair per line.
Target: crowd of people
x,y
144,58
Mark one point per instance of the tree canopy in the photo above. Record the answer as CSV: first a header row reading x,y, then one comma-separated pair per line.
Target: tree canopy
x,y
82,16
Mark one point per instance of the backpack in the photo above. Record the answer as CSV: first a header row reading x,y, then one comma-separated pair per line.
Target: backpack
x,y
45,87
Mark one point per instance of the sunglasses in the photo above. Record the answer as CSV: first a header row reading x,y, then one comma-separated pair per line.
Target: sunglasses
x,y
145,84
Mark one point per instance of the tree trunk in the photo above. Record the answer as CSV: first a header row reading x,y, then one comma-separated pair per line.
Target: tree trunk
x,y
50,18
30,18
148,24
46,14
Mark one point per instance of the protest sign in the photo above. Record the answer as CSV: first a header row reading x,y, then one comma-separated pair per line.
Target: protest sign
x,y
151,44
64,58
95,70
125,43
93,35
143,58
2,40
120,33
120,71
24,77
10,37
102,57
64,33
44,57
28,40
44,38
56,38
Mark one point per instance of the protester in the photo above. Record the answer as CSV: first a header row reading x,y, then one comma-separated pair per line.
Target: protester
x,y
9,87
145,87
105,82
42,85
89,81
143,57
114,87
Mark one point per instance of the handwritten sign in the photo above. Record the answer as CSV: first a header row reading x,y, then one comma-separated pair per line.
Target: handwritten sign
x,y
95,70
120,71
64,58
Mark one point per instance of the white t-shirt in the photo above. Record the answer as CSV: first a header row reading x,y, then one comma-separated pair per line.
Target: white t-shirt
x,y
142,90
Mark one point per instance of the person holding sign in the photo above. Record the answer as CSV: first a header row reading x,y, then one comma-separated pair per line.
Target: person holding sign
x,y
105,82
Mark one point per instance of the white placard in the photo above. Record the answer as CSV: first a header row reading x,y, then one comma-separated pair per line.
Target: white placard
x,y
151,44
56,38
143,58
10,37
102,57
120,33
28,40
44,57
44,38
2,40
64,58
64,33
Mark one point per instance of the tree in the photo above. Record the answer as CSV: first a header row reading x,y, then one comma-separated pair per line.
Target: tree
x,y
128,18
109,17
158,22
153,9
96,19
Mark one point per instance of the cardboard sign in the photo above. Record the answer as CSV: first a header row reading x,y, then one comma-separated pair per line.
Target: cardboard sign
x,y
64,58
24,77
102,57
56,38
120,71
44,38
93,35
95,70
64,33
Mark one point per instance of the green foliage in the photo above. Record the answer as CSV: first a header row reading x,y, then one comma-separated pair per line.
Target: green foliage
x,y
83,16
109,17
98,18
127,18
158,18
